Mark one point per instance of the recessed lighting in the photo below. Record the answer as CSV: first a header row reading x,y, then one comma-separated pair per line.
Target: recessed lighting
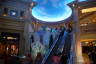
x,y
83,24
93,20
93,42
4,14
13,13
86,42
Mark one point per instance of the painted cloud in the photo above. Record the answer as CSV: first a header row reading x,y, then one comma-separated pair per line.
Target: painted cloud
x,y
52,10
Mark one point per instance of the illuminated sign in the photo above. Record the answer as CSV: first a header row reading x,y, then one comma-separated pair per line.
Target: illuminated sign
x,y
11,38
93,9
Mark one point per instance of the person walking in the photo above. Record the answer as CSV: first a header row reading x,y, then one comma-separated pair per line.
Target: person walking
x,y
56,59
38,59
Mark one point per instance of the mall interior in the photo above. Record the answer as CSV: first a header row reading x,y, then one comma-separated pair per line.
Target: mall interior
x,y
47,31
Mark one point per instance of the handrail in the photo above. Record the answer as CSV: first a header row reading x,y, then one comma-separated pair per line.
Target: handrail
x,y
51,48
70,59
61,45
63,41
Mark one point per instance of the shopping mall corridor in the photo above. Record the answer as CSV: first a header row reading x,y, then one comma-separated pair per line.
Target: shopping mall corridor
x,y
59,46
58,51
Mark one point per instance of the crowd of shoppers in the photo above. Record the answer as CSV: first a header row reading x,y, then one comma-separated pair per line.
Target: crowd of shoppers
x,y
55,59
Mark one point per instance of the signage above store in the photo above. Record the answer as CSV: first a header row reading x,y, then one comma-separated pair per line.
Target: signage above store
x,y
93,9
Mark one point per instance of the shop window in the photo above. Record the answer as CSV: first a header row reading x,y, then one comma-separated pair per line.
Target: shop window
x,y
13,13
10,43
5,11
21,13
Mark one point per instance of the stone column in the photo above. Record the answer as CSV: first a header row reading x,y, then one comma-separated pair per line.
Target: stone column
x,y
28,30
27,38
78,58
21,44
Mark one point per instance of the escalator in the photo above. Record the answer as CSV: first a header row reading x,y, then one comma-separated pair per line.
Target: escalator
x,y
61,43
67,45
53,49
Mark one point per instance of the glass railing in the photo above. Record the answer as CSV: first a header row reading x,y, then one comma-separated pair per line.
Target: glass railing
x,y
71,52
61,45
53,49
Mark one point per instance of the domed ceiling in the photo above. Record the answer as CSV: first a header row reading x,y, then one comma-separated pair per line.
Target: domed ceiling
x,y
52,10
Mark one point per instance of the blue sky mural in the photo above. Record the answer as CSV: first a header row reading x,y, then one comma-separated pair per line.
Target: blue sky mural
x,y
52,10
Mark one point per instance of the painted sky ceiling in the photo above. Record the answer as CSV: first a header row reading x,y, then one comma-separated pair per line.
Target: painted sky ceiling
x,y
52,10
